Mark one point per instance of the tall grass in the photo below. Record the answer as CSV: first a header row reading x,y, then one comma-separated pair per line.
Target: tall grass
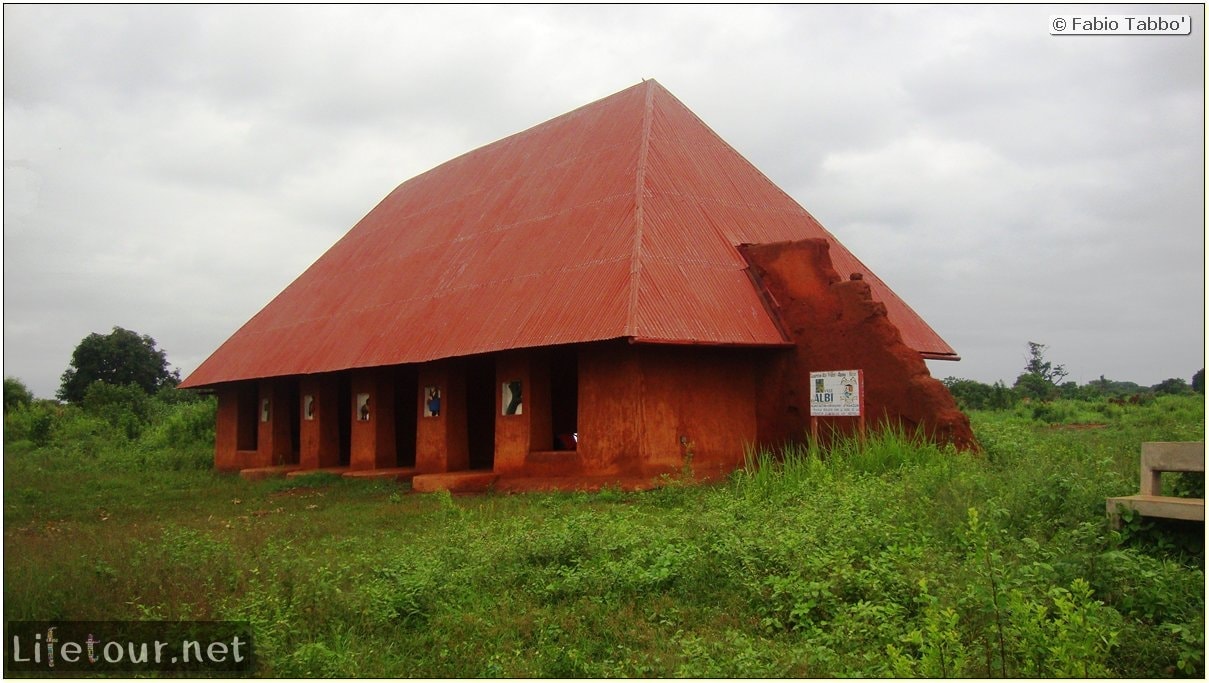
x,y
888,558
800,467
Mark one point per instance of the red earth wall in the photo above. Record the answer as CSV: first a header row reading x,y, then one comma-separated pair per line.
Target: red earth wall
x,y
241,439
226,430
320,435
441,444
836,325
373,430
646,410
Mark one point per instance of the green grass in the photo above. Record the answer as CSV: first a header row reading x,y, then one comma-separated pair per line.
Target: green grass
x,y
892,559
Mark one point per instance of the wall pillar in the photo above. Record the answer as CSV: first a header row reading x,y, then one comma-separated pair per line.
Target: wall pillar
x,y
530,429
320,431
226,429
236,430
373,423
441,439
610,419
274,412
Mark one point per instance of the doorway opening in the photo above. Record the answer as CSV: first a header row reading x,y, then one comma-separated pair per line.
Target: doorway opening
x,y
247,412
480,412
295,418
564,398
344,403
407,410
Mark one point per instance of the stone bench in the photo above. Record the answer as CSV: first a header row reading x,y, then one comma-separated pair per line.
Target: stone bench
x,y
1159,457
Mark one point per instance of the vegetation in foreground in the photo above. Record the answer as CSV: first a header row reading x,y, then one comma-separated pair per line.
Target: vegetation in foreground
x,y
891,560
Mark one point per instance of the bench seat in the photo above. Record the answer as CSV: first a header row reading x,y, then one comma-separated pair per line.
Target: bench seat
x,y
1158,457
1192,509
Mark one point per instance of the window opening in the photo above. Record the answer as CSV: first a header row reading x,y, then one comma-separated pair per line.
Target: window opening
x,y
432,402
511,402
407,407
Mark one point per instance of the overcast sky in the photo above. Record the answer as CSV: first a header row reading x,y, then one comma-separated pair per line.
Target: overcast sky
x,y
170,169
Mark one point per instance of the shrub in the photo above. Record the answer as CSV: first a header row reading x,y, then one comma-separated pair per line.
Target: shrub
x,y
127,407
31,424
186,424
16,395
83,437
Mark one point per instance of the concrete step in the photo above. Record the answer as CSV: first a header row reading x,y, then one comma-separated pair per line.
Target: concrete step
x,y
257,473
326,470
454,482
576,483
395,473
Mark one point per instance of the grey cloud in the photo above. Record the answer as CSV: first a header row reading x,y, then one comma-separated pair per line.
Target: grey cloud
x,y
171,168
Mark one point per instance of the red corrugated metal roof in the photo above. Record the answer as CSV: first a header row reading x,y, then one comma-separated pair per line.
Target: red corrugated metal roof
x,y
617,220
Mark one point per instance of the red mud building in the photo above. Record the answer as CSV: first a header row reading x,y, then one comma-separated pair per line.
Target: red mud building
x,y
609,293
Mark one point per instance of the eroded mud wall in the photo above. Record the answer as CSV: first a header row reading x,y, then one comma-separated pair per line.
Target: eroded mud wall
x,y
836,325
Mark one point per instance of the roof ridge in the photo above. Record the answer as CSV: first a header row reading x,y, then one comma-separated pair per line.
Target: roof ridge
x,y
639,191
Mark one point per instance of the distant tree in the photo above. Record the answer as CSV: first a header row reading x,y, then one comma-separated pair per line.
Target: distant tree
x,y
970,394
1174,385
974,395
1198,381
1100,386
1124,388
16,394
1037,365
1001,397
1109,388
1034,387
1070,390
1088,392
119,358
1041,378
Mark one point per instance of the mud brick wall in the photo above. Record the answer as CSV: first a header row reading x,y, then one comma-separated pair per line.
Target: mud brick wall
x,y
836,325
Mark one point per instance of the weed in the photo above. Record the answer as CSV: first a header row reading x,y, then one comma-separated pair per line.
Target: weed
x,y
812,561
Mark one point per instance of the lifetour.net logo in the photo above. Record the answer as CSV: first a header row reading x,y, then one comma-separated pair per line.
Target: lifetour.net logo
x,y
72,647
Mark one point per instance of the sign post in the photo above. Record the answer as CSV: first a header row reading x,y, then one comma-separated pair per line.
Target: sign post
x,y
837,393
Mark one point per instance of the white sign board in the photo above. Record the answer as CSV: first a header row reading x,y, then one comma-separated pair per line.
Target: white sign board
x,y
836,392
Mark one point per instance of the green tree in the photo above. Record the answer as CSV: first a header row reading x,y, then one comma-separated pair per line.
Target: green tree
x,y
974,395
1198,381
1034,387
1070,390
1041,378
1107,388
1037,365
119,358
1001,397
970,394
1173,385
16,394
